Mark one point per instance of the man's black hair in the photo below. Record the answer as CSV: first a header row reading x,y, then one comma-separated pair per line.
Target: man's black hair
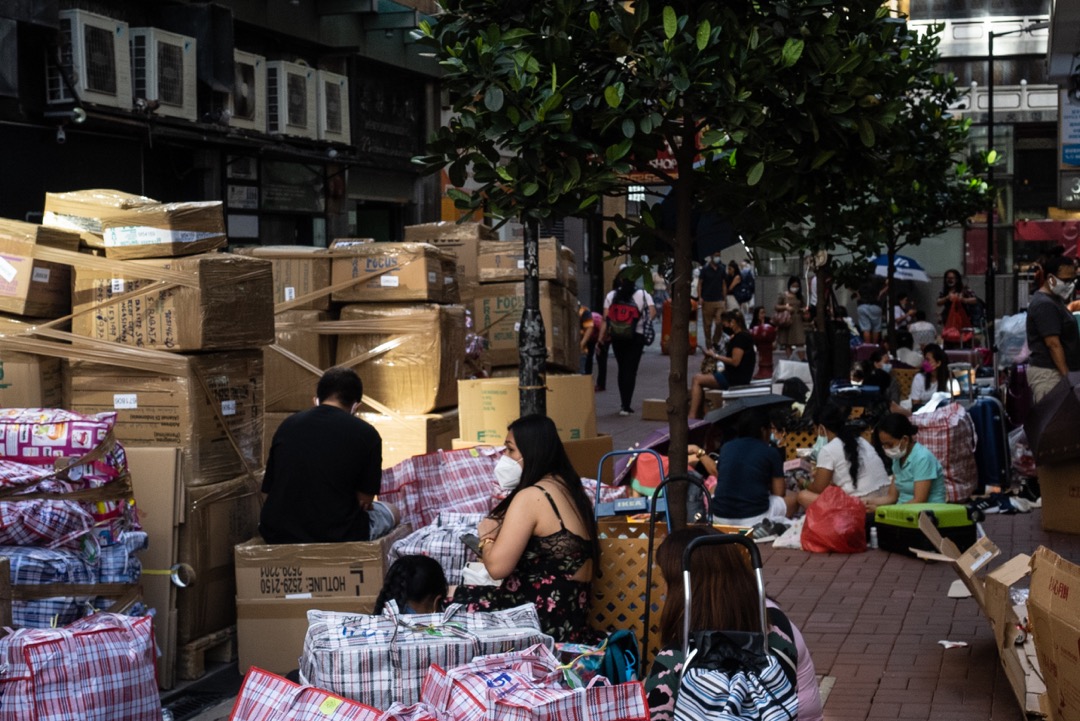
x,y
342,385
1054,265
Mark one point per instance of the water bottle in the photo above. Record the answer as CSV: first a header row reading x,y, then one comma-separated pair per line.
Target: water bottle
x,y
873,537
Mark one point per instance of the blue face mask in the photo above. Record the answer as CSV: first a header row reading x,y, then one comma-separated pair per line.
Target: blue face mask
x,y
773,439
887,367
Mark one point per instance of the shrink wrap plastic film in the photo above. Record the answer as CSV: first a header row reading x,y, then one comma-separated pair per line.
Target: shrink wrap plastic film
x,y
391,272
419,373
82,210
298,271
290,386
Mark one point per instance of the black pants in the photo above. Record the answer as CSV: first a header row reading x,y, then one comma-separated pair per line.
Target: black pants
x,y
590,348
628,356
601,365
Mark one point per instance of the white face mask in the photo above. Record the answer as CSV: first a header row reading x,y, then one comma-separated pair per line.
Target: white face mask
x,y
1063,288
895,452
508,473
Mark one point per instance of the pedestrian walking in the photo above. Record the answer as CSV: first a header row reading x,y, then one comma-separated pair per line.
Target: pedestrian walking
x,y
626,311
1052,333
712,287
734,280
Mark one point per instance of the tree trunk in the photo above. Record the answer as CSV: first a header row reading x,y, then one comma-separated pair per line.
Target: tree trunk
x,y
891,296
678,401
532,349
819,347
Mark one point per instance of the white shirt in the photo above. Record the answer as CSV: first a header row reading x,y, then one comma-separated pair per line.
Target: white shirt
x,y
921,393
642,300
872,473
909,356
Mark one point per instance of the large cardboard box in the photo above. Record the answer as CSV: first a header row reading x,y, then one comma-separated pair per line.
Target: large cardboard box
x,y
290,386
487,406
29,286
1054,609
216,518
156,484
392,272
504,261
497,313
407,436
298,271
991,589
584,454
462,240
1060,485
419,373
81,211
276,585
193,409
271,422
232,307
28,380
165,230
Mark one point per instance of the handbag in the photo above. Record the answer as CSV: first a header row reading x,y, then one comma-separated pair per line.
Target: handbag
x,y
269,697
648,330
708,364
835,522
782,318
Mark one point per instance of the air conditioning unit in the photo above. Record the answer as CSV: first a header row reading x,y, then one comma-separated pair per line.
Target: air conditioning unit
x,y
333,107
247,101
290,99
94,62
163,69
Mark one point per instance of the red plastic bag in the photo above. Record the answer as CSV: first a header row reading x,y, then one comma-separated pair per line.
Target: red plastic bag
x,y
835,522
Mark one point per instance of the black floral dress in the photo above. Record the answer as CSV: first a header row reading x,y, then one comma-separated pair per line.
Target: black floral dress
x,y
544,577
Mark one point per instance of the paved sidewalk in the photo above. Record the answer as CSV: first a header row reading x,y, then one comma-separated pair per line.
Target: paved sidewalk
x,y
873,620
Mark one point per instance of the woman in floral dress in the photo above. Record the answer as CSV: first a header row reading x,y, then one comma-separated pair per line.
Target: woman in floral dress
x,y
541,540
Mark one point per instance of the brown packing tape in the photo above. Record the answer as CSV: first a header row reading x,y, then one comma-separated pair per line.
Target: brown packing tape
x,y
118,490
323,292
29,592
95,351
248,471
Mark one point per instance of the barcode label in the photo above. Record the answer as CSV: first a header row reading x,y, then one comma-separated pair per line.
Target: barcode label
x,y
389,281
117,285
228,408
40,275
521,264
290,293
125,401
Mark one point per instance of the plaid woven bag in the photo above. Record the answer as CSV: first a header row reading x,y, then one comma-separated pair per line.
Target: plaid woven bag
x,y
421,486
266,696
441,541
100,668
949,433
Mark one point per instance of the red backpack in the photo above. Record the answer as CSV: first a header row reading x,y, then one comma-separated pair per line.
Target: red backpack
x,y
622,317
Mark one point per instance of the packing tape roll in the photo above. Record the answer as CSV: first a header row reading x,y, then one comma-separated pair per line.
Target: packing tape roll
x,y
182,575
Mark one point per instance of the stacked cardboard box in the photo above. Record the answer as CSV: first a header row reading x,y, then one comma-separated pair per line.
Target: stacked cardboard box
x,y
500,300
462,240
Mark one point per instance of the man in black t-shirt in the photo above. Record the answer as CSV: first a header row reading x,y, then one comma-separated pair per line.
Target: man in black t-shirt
x,y
1052,333
324,471
739,360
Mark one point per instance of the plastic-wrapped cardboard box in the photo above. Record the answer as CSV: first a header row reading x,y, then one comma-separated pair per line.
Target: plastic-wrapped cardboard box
x,y
487,406
28,380
216,518
30,286
504,261
290,386
82,210
419,373
298,271
232,307
407,436
392,272
497,313
584,454
276,585
462,240
189,403
1054,609
164,231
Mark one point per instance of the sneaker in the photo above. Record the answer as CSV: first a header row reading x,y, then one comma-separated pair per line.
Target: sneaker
x,y
626,412
763,531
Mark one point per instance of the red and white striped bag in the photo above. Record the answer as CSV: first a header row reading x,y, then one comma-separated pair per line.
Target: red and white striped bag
x,y
949,433
528,685
266,696
100,668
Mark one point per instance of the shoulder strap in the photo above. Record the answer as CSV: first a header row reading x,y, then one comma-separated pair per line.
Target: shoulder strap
x,y
783,648
553,507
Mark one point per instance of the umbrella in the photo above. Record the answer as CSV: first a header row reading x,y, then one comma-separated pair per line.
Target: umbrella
x,y
732,408
658,440
904,268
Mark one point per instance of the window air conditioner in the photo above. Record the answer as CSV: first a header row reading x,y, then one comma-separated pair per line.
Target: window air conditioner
x,y
290,99
247,102
333,107
94,65
163,69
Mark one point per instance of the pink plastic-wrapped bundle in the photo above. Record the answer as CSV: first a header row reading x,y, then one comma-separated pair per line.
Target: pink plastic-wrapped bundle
x,y
41,436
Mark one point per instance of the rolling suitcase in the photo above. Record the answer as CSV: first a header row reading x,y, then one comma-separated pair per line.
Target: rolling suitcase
x,y
898,526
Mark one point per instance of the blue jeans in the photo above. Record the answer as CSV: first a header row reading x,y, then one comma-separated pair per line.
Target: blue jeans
x,y
380,520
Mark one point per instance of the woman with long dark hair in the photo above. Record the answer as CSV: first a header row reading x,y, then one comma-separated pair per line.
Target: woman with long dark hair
x,y
541,540
724,598
847,460
934,376
628,347
953,291
917,473
792,335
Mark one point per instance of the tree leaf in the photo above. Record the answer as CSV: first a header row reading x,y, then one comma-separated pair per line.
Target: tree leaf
x,y
529,188
793,49
629,127
613,94
681,83
704,30
866,132
754,176
493,98
594,20
671,22
991,157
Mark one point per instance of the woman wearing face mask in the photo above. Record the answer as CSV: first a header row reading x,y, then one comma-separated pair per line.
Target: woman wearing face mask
x,y
541,540
954,292
917,475
738,363
846,460
1052,334
734,279
880,375
791,338
934,376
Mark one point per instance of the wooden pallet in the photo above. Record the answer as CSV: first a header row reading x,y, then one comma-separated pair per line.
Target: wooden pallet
x,y
217,647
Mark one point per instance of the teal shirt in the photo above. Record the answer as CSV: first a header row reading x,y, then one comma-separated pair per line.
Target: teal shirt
x,y
919,466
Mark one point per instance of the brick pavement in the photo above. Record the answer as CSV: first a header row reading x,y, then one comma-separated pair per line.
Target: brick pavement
x,y
873,620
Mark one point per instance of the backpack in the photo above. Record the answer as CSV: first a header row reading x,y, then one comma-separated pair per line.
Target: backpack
x,y
744,291
622,317
620,662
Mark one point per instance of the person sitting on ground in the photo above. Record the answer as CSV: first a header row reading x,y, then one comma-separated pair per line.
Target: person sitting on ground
x,y
847,461
723,597
541,540
917,474
906,355
739,359
933,378
750,475
880,374
324,470
416,583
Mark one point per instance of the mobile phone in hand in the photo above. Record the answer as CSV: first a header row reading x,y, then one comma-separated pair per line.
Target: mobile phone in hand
x,y
472,541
